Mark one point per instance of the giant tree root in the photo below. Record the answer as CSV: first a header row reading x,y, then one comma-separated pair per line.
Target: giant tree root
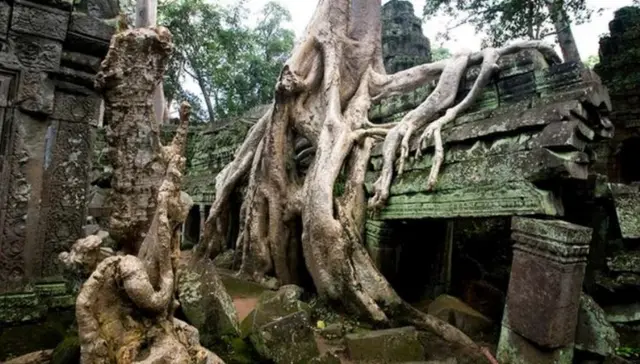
x,y
323,95
125,308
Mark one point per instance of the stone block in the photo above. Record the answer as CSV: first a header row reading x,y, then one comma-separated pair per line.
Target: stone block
x,y
272,306
594,333
34,19
515,349
205,302
90,26
36,93
626,199
385,346
287,340
35,53
77,108
5,16
546,280
544,289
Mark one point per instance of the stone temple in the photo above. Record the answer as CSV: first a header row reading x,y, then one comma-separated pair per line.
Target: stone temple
x,y
535,212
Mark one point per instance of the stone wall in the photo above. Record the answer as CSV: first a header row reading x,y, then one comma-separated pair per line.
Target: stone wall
x,y
615,263
48,115
619,69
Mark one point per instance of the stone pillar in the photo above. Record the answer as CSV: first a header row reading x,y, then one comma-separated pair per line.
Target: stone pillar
x,y
543,299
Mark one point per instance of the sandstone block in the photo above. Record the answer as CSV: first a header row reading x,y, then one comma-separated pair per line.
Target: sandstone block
x,y
385,346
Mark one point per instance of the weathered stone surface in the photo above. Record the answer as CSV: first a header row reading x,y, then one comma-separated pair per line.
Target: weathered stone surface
x,y
404,45
225,259
33,19
36,93
625,262
77,108
546,280
623,313
90,26
506,199
273,305
626,199
452,310
594,333
206,303
287,340
515,349
385,346
35,53
5,16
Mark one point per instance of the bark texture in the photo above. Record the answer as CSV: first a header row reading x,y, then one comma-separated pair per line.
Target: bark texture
x,y
125,309
320,114
129,74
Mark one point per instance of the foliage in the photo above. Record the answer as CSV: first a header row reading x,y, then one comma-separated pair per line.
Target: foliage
x,y
628,352
591,61
504,20
234,66
438,54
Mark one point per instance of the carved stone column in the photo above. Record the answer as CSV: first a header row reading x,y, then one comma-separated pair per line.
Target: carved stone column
x,y
543,299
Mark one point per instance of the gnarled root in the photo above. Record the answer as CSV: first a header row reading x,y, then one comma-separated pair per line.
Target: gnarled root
x,y
109,306
440,99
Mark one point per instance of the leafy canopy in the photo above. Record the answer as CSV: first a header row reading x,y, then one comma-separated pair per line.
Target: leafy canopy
x,y
232,66
504,20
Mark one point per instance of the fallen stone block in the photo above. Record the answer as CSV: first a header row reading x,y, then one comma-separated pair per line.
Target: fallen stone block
x,y
385,346
206,304
273,305
288,340
594,333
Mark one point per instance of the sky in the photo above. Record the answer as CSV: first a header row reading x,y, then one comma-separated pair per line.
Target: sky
x,y
586,35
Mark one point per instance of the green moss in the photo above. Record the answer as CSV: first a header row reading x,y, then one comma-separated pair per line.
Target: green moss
x,y
26,338
67,352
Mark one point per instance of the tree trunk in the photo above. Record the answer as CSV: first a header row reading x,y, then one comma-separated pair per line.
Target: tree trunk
x,y
125,309
323,96
562,24
146,16
205,95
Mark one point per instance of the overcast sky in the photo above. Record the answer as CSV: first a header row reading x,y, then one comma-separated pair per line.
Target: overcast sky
x,y
587,35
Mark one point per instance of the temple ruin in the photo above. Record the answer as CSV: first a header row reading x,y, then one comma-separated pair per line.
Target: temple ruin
x,y
534,222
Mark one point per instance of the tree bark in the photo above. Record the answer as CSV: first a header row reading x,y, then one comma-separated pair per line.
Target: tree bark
x,y
125,309
323,95
562,24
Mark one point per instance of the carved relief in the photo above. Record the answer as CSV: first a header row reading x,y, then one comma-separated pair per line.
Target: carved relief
x,y
65,194
36,53
33,20
12,240
36,93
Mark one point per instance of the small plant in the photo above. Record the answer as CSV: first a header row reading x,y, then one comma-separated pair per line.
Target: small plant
x,y
628,352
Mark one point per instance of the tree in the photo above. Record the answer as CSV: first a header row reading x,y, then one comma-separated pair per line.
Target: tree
x,y
125,309
208,40
591,61
234,66
502,20
438,54
322,99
